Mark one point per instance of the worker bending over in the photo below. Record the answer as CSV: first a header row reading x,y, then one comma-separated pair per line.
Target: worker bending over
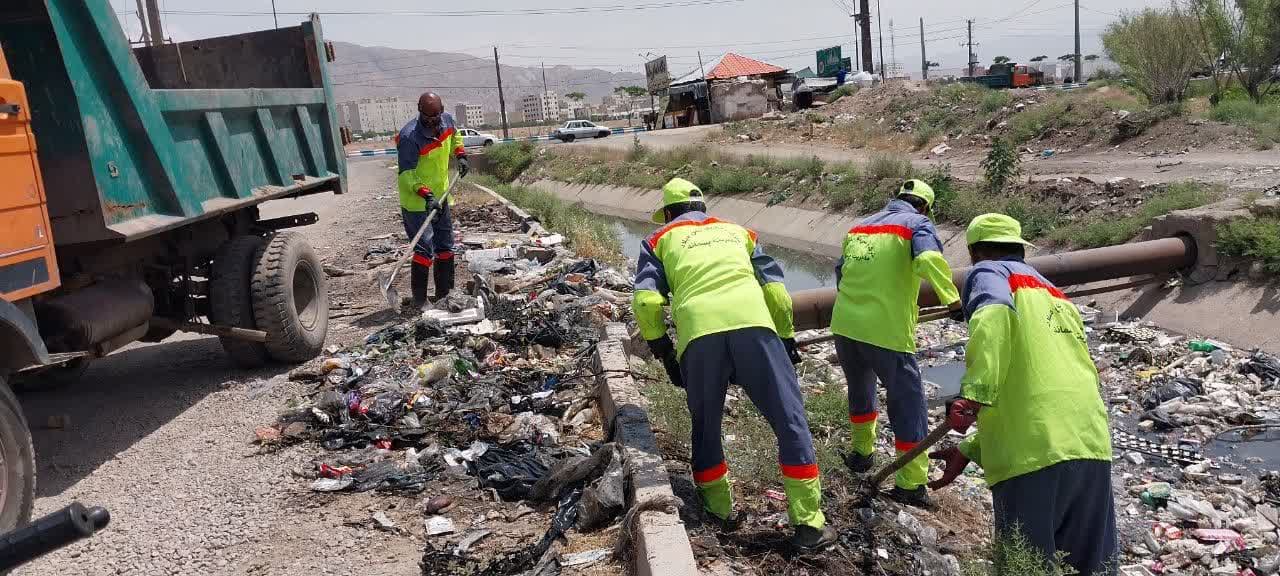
x,y
1042,437
423,148
874,320
730,308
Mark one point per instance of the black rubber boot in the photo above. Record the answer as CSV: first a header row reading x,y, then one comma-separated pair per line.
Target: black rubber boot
x,y
444,278
723,525
859,464
918,497
419,279
810,539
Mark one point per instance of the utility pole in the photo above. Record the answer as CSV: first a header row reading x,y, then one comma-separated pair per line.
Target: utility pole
x,y
502,102
153,16
542,101
704,70
969,44
924,58
893,48
880,32
1079,71
142,21
864,27
273,14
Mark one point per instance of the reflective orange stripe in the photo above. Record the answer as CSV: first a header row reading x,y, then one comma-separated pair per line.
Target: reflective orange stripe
x,y
438,142
711,474
653,239
444,255
903,445
421,260
459,151
801,472
864,418
895,229
1020,281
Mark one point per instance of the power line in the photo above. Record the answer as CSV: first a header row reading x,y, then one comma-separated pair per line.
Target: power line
x,y
470,13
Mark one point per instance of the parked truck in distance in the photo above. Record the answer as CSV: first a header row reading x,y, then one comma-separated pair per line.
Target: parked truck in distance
x,y
130,180
1008,75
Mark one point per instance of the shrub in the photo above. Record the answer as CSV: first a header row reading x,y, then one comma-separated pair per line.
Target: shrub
x,y
506,161
1157,49
888,167
923,135
809,168
1104,230
842,91
1258,239
1033,121
994,100
1263,120
1001,167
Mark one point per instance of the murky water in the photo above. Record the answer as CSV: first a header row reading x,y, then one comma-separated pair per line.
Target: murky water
x,y
802,270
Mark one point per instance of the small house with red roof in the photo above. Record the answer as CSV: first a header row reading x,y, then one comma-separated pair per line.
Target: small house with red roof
x,y
736,88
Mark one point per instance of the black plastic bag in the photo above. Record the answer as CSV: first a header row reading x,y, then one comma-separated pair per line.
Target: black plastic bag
x,y
511,470
1166,391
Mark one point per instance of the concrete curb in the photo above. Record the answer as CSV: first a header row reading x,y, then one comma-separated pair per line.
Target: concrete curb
x,y
660,545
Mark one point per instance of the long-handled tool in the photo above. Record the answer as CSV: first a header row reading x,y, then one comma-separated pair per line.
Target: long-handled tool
x,y
385,280
934,436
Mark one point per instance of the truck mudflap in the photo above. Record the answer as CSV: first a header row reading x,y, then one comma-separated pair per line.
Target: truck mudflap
x,y
20,343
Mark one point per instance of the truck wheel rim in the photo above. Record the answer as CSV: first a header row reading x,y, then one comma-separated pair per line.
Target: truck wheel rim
x,y
306,297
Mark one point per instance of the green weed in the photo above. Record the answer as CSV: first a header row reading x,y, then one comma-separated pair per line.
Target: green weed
x,y
923,135
1258,239
888,167
1105,230
506,161
589,236
1002,165
994,100
842,91
1262,120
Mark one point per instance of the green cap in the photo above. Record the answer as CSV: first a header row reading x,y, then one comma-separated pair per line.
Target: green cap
x,y
677,191
919,189
995,228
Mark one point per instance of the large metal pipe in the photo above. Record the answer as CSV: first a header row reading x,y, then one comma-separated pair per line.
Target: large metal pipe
x,y
812,308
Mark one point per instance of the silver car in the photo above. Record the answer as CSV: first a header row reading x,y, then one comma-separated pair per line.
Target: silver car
x,y
574,129
473,138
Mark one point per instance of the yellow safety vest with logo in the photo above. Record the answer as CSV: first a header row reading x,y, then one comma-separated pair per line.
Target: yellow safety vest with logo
x,y
424,161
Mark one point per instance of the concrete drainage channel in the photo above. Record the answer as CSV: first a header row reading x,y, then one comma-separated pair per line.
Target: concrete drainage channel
x,y
659,544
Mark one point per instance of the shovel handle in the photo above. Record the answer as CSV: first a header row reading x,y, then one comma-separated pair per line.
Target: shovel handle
x,y
928,442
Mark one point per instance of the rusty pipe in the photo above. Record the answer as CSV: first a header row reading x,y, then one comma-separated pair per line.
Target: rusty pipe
x,y
812,308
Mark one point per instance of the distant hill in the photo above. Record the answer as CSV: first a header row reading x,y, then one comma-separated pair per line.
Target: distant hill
x,y
373,71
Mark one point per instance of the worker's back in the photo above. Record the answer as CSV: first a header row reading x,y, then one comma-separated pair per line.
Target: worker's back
x,y
708,269
1047,408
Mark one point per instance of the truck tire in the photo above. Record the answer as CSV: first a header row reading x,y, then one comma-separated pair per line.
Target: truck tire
x,y
231,297
17,463
291,299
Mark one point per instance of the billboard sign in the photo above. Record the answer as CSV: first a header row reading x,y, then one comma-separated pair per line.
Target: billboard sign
x,y
655,72
829,61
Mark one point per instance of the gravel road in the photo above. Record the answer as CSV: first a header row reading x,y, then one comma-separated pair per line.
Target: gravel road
x,y
161,435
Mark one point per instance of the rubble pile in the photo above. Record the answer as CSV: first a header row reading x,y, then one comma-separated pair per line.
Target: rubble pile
x,y
482,409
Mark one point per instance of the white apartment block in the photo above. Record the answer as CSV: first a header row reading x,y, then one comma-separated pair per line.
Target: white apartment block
x,y
377,114
540,107
468,115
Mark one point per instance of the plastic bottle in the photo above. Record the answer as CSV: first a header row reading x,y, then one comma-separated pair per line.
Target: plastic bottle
x,y
1201,346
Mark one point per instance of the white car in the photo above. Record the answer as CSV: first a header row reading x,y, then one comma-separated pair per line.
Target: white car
x,y
579,129
473,138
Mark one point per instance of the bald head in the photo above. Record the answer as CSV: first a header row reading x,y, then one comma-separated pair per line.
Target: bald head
x,y
429,104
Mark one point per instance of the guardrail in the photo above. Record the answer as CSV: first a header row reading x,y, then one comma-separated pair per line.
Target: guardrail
x,y
543,138
1061,86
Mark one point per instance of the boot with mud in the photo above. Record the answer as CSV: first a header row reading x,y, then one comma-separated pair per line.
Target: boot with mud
x,y
810,539
419,281
724,525
918,497
858,463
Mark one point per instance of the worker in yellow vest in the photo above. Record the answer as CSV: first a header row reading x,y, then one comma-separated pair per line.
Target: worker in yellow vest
x,y
874,319
1031,387
733,324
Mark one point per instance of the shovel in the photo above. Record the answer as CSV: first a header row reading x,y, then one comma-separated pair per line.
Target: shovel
x,y
385,280
873,485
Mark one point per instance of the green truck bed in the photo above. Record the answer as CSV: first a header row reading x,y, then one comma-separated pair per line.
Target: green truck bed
x,y
138,141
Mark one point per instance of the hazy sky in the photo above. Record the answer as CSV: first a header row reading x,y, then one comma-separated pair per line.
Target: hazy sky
x,y
783,32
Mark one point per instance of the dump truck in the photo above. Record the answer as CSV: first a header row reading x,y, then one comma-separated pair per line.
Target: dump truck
x,y
130,181
1008,75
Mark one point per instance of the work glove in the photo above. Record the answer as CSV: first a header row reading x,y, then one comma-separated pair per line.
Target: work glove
x,y
793,351
962,413
956,310
464,166
665,351
426,194
954,462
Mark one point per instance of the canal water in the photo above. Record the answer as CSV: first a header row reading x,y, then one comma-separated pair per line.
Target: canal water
x,y
802,270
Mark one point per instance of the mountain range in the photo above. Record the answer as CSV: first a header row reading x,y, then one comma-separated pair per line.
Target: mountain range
x,y
374,71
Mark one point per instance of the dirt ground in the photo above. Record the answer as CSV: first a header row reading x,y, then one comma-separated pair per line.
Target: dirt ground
x,y
161,435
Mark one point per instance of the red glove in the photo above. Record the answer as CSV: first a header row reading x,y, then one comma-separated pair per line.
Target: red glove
x,y
424,193
962,413
954,462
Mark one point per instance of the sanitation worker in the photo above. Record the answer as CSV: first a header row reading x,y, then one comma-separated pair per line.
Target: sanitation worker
x,y
733,324
424,147
1042,438
874,320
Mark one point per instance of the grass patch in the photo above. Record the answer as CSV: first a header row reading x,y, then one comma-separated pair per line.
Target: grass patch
x,y
506,161
1263,120
862,133
923,135
1103,230
994,100
842,91
1010,554
1257,239
585,232
888,167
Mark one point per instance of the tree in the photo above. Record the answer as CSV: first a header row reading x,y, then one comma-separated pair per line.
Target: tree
x,y
1091,57
1157,49
575,96
1000,60
1246,35
1039,58
1066,57
630,91
933,64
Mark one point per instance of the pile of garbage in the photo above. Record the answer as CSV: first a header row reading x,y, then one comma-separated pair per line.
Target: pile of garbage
x,y
492,388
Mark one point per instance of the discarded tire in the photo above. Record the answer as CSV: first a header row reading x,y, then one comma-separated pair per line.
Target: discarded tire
x,y
231,297
18,467
290,299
